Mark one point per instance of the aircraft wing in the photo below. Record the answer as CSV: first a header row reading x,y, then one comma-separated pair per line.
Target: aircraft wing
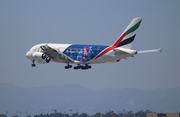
x,y
55,55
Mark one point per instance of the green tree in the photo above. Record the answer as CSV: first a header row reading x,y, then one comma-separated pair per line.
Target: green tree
x,y
83,115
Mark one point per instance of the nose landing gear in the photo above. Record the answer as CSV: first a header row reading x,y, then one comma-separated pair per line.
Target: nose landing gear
x,y
33,64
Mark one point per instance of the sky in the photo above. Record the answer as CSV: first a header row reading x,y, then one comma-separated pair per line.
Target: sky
x,y
24,24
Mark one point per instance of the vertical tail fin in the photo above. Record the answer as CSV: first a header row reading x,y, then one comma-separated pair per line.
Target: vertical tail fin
x,y
127,37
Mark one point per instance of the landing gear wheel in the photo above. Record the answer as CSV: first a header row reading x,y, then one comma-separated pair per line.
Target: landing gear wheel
x,y
75,68
85,67
33,65
68,66
89,67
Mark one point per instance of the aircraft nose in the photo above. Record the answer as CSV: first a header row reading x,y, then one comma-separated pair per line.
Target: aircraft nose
x,y
28,54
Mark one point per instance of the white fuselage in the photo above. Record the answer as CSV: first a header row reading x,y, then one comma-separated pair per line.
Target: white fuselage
x,y
34,54
83,55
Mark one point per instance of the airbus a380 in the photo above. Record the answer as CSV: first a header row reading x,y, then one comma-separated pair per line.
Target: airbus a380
x,y
85,55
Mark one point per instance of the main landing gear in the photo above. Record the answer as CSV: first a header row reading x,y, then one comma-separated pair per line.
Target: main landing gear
x,y
85,67
33,64
68,66
82,67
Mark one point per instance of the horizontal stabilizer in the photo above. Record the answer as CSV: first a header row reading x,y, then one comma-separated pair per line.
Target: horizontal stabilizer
x,y
125,51
149,51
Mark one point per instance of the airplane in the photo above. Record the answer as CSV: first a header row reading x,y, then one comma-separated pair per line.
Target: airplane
x,y
84,55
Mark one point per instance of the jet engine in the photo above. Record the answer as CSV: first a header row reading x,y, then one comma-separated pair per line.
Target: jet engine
x,y
41,57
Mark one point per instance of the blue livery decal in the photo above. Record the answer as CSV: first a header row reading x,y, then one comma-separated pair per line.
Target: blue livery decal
x,y
83,53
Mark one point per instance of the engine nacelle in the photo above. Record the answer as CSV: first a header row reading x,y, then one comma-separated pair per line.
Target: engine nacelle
x,y
41,61
37,55
41,57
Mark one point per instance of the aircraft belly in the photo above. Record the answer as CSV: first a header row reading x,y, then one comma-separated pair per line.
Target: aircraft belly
x,y
86,54
83,54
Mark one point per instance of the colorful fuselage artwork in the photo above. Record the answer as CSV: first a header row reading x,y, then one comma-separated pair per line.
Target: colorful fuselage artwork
x,y
83,53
